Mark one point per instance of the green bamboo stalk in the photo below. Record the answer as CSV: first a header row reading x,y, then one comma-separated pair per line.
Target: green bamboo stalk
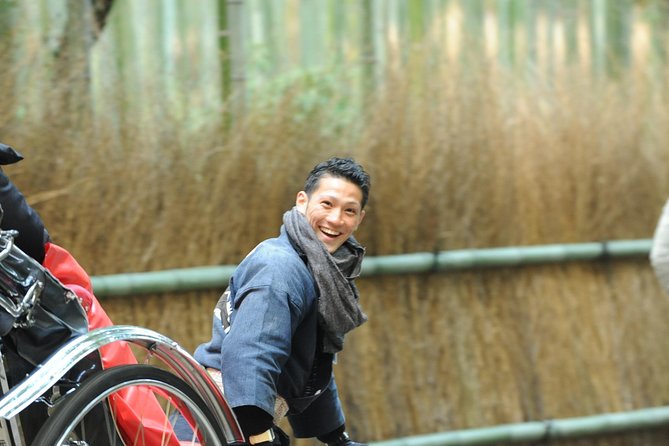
x,y
570,12
441,36
473,32
69,31
337,25
148,37
167,30
368,49
597,19
224,48
30,79
311,33
280,33
401,20
505,30
416,22
552,16
237,48
380,43
268,17
123,38
530,24
8,19
618,25
658,16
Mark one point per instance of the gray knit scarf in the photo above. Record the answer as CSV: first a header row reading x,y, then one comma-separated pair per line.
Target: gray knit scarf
x,y
338,309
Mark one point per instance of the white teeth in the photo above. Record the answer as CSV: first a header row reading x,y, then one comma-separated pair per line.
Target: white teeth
x,y
328,232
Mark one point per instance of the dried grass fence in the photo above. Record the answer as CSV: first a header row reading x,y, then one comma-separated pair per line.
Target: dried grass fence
x,y
458,161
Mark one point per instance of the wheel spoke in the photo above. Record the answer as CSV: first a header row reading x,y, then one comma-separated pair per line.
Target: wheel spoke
x,y
162,400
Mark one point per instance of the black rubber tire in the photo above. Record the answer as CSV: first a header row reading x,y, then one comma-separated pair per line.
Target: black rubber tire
x,y
88,406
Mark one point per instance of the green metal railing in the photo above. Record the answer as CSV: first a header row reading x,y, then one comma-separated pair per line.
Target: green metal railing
x,y
212,277
603,424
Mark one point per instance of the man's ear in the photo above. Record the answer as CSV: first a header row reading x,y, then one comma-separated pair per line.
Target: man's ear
x,y
362,217
301,201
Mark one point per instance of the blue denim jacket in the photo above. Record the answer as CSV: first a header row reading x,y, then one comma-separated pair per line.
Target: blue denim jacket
x,y
270,345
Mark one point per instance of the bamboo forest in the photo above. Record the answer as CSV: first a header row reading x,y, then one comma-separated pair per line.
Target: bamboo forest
x,y
165,139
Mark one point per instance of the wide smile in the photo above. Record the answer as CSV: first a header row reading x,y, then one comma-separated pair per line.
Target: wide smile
x,y
329,233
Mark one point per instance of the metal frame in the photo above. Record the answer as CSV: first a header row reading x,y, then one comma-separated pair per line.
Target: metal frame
x,y
179,361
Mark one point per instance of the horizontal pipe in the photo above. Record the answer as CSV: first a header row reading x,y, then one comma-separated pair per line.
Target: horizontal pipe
x,y
184,279
602,424
212,277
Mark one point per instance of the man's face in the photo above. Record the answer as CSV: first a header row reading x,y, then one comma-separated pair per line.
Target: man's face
x,y
334,210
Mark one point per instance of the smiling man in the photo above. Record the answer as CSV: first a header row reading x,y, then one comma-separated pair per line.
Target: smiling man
x,y
288,306
333,208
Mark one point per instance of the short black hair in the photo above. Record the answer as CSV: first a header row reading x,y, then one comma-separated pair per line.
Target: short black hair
x,y
345,168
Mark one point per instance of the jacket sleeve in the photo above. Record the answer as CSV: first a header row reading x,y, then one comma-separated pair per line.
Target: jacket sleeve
x,y
322,416
659,253
18,215
256,347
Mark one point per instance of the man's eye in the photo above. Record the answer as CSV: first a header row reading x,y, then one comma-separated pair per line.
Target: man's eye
x,y
351,212
326,204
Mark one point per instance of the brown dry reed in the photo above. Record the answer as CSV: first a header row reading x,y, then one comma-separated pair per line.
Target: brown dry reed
x,y
461,156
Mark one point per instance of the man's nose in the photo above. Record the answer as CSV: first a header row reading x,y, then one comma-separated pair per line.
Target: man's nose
x,y
335,216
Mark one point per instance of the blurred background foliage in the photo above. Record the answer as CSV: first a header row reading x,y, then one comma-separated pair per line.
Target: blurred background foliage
x,y
167,134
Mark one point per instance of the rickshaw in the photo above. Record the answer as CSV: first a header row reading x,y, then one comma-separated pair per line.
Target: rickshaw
x,y
55,391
